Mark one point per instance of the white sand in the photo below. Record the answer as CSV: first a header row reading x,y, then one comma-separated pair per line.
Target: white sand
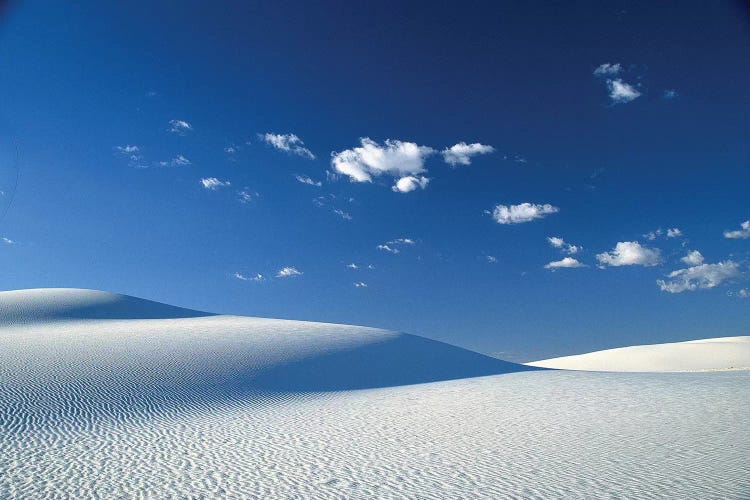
x,y
725,353
99,397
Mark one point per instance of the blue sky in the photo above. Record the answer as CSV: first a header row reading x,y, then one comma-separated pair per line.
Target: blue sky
x,y
176,151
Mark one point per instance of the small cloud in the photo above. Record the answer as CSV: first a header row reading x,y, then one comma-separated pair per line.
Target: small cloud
x,y
652,235
289,143
742,234
242,277
567,262
744,293
693,258
670,94
360,284
461,153
674,233
525,212
352,266
387,248
306,180
213,184
410,183
630,253
179,127
558,242
7,241
402,241
288,272
246,196
128,149
491,259
621,92
699,277
177,161
608,69
342,214
395,246
395,158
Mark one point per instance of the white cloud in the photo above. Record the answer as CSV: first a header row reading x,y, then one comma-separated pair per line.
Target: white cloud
x,y
567,262
395,158
670,94
743,293
525,212
743,233
387,248
652,235
230,150
288,272
693,258
674,232
608,69
621,92
461,153
7,241
360,284
342,214
558,242
177,161
289,143
179,127
352,266
394,246
410,183
491,259
246,196
402,241
699,277
242,277
630,253
128,149
306,180
213,184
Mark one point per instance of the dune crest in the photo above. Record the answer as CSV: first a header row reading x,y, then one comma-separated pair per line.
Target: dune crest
x,y
723,353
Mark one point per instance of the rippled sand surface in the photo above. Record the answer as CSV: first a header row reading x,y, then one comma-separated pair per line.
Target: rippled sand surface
x,y
94,404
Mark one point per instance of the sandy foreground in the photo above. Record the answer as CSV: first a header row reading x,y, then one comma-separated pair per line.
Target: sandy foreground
x,y
111,396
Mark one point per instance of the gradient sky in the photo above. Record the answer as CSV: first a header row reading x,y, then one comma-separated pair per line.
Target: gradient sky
x,y
146,168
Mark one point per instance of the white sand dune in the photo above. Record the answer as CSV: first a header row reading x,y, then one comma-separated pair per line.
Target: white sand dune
x,y
108,396
725,353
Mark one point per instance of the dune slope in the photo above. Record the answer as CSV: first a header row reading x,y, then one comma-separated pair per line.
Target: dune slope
x,y
725,353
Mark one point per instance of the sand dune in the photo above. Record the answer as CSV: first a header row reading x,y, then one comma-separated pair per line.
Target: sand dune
x,y
725,353
103,395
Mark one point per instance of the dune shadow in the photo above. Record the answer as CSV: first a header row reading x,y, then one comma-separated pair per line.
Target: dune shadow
x,y
401,360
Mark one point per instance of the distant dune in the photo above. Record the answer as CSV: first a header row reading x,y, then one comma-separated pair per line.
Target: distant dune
x,y
109,396
724,353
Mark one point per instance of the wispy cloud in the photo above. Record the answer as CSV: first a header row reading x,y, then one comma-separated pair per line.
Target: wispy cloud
x,y
7,241
701,277
395,246
360,284
743,233
608,69
307,180
491,259
242,277
629,253
462,153
177,161
670,94
352,266
342,214
245,195
288,272
179,127
289,143
566,262
524,212
213,184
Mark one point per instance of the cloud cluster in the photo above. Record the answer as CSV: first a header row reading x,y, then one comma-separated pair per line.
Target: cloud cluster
x,y
620,91
242,277
307,180
742,233
461,153
630,253
395,246
699,277
558,242
289,143
245,195
524,212
177,161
